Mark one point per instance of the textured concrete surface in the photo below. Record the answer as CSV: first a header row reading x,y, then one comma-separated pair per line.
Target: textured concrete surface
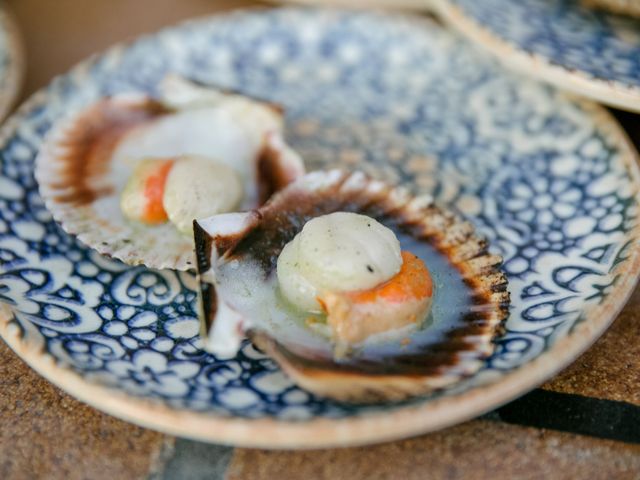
x,y
197,461
479,449
47,434
611,368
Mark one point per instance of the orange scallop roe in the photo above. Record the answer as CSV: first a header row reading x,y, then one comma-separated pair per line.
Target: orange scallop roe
x,y
412,282
154,211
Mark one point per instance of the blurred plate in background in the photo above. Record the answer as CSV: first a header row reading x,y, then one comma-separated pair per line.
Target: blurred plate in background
x,y
585,51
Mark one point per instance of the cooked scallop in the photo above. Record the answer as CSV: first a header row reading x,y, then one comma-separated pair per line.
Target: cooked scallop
x,y
349,267
199,187
358,290
341,251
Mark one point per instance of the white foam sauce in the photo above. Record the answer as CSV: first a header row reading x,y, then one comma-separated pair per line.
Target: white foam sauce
x,y
244,286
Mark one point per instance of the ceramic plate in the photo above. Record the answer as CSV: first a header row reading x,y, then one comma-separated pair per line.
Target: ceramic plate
x,y
11,61
578,49
551,181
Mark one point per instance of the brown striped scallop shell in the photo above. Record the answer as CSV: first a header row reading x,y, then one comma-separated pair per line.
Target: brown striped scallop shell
x,y
83,167
258,237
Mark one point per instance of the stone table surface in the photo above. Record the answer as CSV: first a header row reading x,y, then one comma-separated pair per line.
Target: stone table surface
x,y
584,423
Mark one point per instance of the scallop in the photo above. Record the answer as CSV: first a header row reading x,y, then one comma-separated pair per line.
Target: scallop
x,y
428,319
197,187
95,164
341,252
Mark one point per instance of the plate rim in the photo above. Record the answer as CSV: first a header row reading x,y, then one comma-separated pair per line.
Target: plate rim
x,y
539,67
370,428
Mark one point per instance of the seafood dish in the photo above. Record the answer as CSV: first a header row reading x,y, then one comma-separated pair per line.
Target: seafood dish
x,y
358,290
129,173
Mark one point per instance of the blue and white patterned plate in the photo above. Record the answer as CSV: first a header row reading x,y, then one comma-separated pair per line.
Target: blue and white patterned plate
x,y
551,181
571,46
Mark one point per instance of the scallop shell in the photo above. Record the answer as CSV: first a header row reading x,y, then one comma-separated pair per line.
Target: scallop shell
x,y
87,159
258,237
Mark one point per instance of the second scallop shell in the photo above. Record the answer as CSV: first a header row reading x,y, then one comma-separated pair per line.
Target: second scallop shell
x,y
87,159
